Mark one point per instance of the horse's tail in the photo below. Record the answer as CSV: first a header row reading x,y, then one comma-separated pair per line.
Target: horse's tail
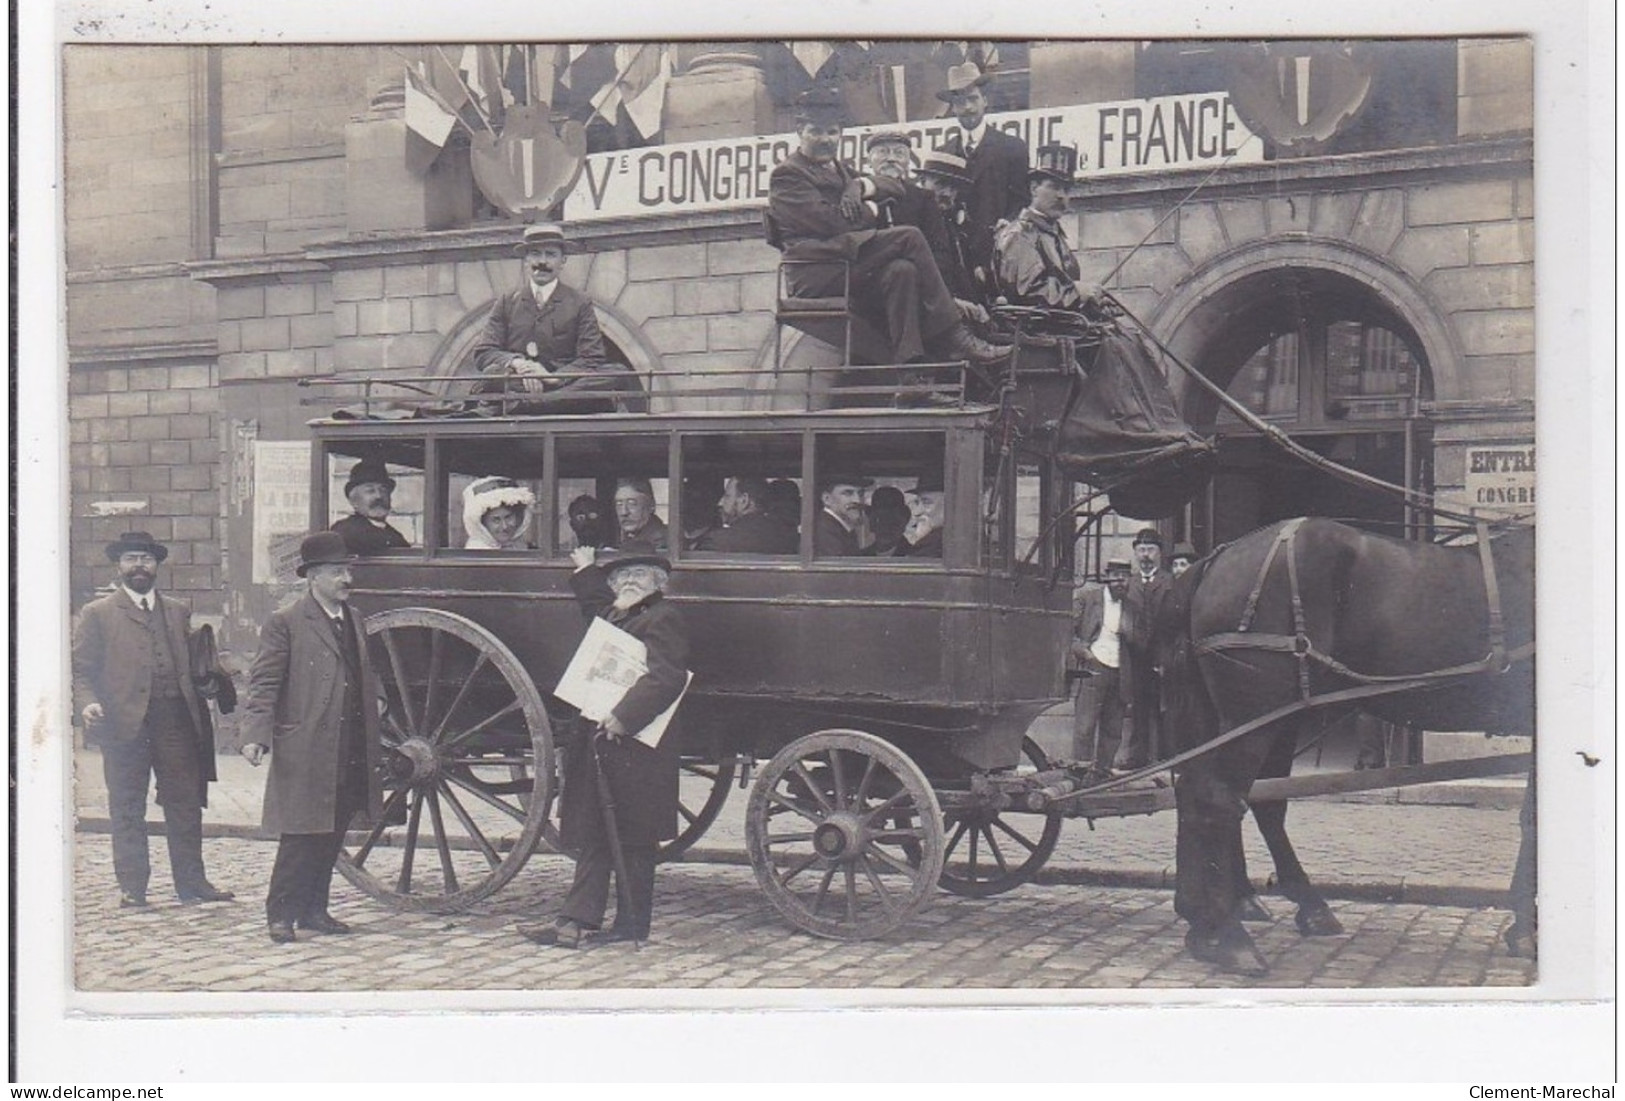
x,y
1189,715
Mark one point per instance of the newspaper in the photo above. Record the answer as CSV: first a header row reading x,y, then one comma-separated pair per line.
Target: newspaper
x,y
606,664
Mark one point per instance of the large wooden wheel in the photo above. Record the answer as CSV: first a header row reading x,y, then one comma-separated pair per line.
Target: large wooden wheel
x,y
832,822
988,852
467,762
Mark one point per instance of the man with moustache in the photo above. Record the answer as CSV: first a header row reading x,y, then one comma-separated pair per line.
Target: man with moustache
x,y
544,329
923,536
138,697
821,210
367,530
1143,606
1033,262
835,528
942,176
996,163
748,526
312,705
635,513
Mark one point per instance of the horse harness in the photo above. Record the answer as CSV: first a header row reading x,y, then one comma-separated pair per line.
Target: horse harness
x,y
1301,646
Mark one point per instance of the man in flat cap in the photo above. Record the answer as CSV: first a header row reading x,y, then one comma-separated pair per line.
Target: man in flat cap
x,y
1147,593
367,530
995,161
836,527
312,705
543,330
820,209
139,698
1033,262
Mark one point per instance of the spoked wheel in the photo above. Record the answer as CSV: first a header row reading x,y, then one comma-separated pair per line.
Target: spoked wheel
x,y
989,853
702,792
831,822
467,763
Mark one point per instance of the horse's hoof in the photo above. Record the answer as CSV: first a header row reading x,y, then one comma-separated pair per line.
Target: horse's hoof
x,y
1229,949
1521,943
1318,921
1251,909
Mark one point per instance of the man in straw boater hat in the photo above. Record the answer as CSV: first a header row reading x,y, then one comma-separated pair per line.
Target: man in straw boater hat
x,y
137,692
619,797
312,705
543,329
1033,262
820,209
996,162
367,530
942,175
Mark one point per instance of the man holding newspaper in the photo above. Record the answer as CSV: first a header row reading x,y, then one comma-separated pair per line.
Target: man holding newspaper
x,y
619,797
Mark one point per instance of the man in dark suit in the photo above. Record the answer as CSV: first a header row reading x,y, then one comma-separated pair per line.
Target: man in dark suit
x,y
942,176
748,527
1143,606
835,528
544,330
1096,652
995,161
367,531
312,704
138,697
923,536
627,590
821,210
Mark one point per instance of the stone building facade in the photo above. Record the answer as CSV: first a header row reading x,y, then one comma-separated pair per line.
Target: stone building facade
x,y
240,219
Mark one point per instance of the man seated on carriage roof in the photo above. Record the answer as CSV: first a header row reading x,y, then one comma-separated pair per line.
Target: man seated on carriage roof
x,y
543,329
821,210
747,525
1033,262
889,156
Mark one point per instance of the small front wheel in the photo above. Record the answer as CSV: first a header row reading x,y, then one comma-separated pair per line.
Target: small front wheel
x,y
845,835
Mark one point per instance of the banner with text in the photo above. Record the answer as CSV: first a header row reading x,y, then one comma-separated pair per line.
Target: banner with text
x,y
1501,476
1143,135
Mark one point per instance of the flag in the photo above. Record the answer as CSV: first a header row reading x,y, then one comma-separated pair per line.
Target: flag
x,y
643,89
812,55
481,71
429,123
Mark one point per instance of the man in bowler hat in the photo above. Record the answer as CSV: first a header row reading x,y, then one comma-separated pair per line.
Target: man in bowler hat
x,y
1143,607
836,527
367,530
312,705
141,701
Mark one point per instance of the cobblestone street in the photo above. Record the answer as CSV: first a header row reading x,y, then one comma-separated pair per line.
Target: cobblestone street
x,y
714,929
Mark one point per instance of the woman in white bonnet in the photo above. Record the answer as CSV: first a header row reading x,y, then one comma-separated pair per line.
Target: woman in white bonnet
x,y
496,513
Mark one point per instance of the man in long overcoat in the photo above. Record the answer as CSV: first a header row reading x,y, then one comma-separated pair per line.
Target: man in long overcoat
x,y
626,588
312,704
136,692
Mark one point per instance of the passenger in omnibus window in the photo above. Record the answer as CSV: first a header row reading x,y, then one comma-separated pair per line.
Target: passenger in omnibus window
x,y
749,528
836,527
589,520
368,530
889,515
496,514
784,502
701,515
635,515
923,538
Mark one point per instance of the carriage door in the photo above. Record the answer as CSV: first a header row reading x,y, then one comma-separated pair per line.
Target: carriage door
x,y
1321,357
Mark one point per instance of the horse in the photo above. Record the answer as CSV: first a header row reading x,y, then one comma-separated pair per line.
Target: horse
x,y
1301,622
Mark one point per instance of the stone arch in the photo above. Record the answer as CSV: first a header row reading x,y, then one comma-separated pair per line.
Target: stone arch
x,y
451,360
1202,305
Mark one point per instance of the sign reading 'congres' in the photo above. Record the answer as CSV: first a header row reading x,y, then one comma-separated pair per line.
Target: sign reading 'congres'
x,y
1143,135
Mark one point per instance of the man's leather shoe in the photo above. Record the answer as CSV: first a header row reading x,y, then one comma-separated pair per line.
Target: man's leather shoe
x,y
131,900
281,932
617,935
559,934
960,343
324,923
205,892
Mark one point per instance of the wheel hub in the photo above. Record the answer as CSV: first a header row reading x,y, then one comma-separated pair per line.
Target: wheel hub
x,y
420,755
839,837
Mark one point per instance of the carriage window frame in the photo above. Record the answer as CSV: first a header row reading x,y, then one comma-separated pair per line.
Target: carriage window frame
x,y
813,457
681,464
558,540
448,523
328,504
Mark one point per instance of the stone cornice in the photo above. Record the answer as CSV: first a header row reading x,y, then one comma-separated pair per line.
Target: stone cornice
x,y
155,353
1499,156
1481,409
